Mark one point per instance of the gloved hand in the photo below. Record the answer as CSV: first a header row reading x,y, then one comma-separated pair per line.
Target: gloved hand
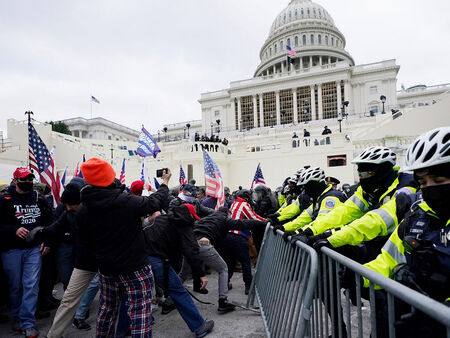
x,y
302,236
288,233
274,218
316,238
322,243
277,227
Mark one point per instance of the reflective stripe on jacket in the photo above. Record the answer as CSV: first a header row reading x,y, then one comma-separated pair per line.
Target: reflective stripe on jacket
x,y
327,201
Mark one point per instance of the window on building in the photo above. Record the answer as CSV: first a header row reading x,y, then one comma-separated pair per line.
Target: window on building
x,y
307,11
296,41
190,172
319,39
286,106
312,39
373,89
275,49
326,40
304,39
288,43
269,109
332,41
337,160
236,121
247,112
302,11
374,109
314,11
217,113
109,137
270,50
281,46
304,103
320,12
295,12
290,15
329,100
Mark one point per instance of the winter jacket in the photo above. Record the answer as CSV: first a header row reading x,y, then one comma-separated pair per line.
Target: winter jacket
x,y
216,226
200,209
110,221
171,236
21,210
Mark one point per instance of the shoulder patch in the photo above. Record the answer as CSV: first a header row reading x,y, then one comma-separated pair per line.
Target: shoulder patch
x,y
330,203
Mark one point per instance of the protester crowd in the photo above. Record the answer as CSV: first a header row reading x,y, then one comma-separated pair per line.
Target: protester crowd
x,y
137,247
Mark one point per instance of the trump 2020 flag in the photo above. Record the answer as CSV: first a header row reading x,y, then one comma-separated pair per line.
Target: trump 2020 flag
x,y
258,178
213,180
182,179
147,145
122,173
41,161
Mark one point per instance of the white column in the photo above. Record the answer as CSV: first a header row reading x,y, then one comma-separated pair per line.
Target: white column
x,y
320,60
319,95
261,111
273,69
339,97
310,62
294,103
239,114
329,59
282,66
313,104
300,59
255,112
277,98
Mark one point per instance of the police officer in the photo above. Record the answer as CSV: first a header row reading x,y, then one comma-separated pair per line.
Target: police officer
x,y
418,251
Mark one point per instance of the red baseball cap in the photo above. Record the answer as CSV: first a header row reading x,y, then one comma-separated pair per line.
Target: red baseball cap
x,y
191,209
22,173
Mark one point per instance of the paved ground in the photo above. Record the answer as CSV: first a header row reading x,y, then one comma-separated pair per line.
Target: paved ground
x,y
237,324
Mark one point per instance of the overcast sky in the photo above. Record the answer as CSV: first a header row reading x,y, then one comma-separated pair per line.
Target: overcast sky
x,y
148,61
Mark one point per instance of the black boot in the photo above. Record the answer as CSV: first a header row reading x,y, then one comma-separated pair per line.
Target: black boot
x,y
224,306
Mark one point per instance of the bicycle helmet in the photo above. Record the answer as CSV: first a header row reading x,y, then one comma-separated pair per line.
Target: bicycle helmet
x,y
311,174
429,149
376,155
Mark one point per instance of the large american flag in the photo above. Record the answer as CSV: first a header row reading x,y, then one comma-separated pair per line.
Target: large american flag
x,y
122,173
214,182
258,178
182,179
290,51
43,163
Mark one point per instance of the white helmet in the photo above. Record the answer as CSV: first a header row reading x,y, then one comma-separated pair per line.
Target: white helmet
x,y
311,174
293,180
429,149
376,155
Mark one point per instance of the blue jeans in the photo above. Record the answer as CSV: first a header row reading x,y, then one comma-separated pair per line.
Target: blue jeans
x,y
88,298
64,261
181,298
23,268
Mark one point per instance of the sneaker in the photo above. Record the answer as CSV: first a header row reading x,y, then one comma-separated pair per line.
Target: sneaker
x,y
81,324
206,328
247,290
167,308
31,332
224,306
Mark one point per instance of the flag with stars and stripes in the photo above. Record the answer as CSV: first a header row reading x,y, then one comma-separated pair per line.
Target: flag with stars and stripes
x,y
43,163
147,145
122,173
258,178
182,179
213,180
63,179
79,173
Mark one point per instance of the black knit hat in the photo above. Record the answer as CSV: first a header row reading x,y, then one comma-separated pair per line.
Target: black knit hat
x,y
71,194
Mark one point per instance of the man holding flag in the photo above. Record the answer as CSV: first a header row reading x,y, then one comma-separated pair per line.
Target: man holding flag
x,y
258,178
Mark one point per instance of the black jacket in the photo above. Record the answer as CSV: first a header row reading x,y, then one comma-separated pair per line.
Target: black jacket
x,y
110,221
171,236
264,207
216,226
200,209
21,210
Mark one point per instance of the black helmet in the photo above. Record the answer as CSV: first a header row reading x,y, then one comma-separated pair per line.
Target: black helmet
x,y
244,194
260,188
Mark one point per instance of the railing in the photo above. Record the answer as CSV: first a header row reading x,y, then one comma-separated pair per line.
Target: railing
x,y
302,294
284,285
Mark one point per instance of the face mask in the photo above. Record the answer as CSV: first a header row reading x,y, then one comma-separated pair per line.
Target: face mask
x,y
438,198
314,189
25,186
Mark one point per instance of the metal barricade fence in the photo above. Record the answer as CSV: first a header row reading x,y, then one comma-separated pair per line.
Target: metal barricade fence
x,y
284,285
364,312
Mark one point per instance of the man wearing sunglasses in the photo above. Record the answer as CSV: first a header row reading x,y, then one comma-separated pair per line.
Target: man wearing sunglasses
x,y
21,210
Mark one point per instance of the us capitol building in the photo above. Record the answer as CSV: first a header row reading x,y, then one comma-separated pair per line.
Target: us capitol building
x,y
322,86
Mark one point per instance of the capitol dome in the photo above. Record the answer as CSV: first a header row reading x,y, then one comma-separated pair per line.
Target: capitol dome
x,y
307,28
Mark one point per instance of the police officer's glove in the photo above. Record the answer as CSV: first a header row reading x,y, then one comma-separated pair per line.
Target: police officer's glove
x,y
274,218
301,236
277,227
316,238
288,233
322,243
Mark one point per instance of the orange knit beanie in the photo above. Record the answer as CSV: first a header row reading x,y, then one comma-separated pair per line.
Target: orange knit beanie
x,y
98,172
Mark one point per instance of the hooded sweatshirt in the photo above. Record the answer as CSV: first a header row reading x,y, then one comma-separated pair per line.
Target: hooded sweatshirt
x,y
110,221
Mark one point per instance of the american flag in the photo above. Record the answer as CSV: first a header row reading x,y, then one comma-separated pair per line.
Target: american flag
x,y
182,179
147,145
214,182
122,173
43,163
79,173
258,178
77,170
94,99
290,51
63,179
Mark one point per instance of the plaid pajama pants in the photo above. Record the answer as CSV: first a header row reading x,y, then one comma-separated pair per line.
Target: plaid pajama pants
x,y
137,286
